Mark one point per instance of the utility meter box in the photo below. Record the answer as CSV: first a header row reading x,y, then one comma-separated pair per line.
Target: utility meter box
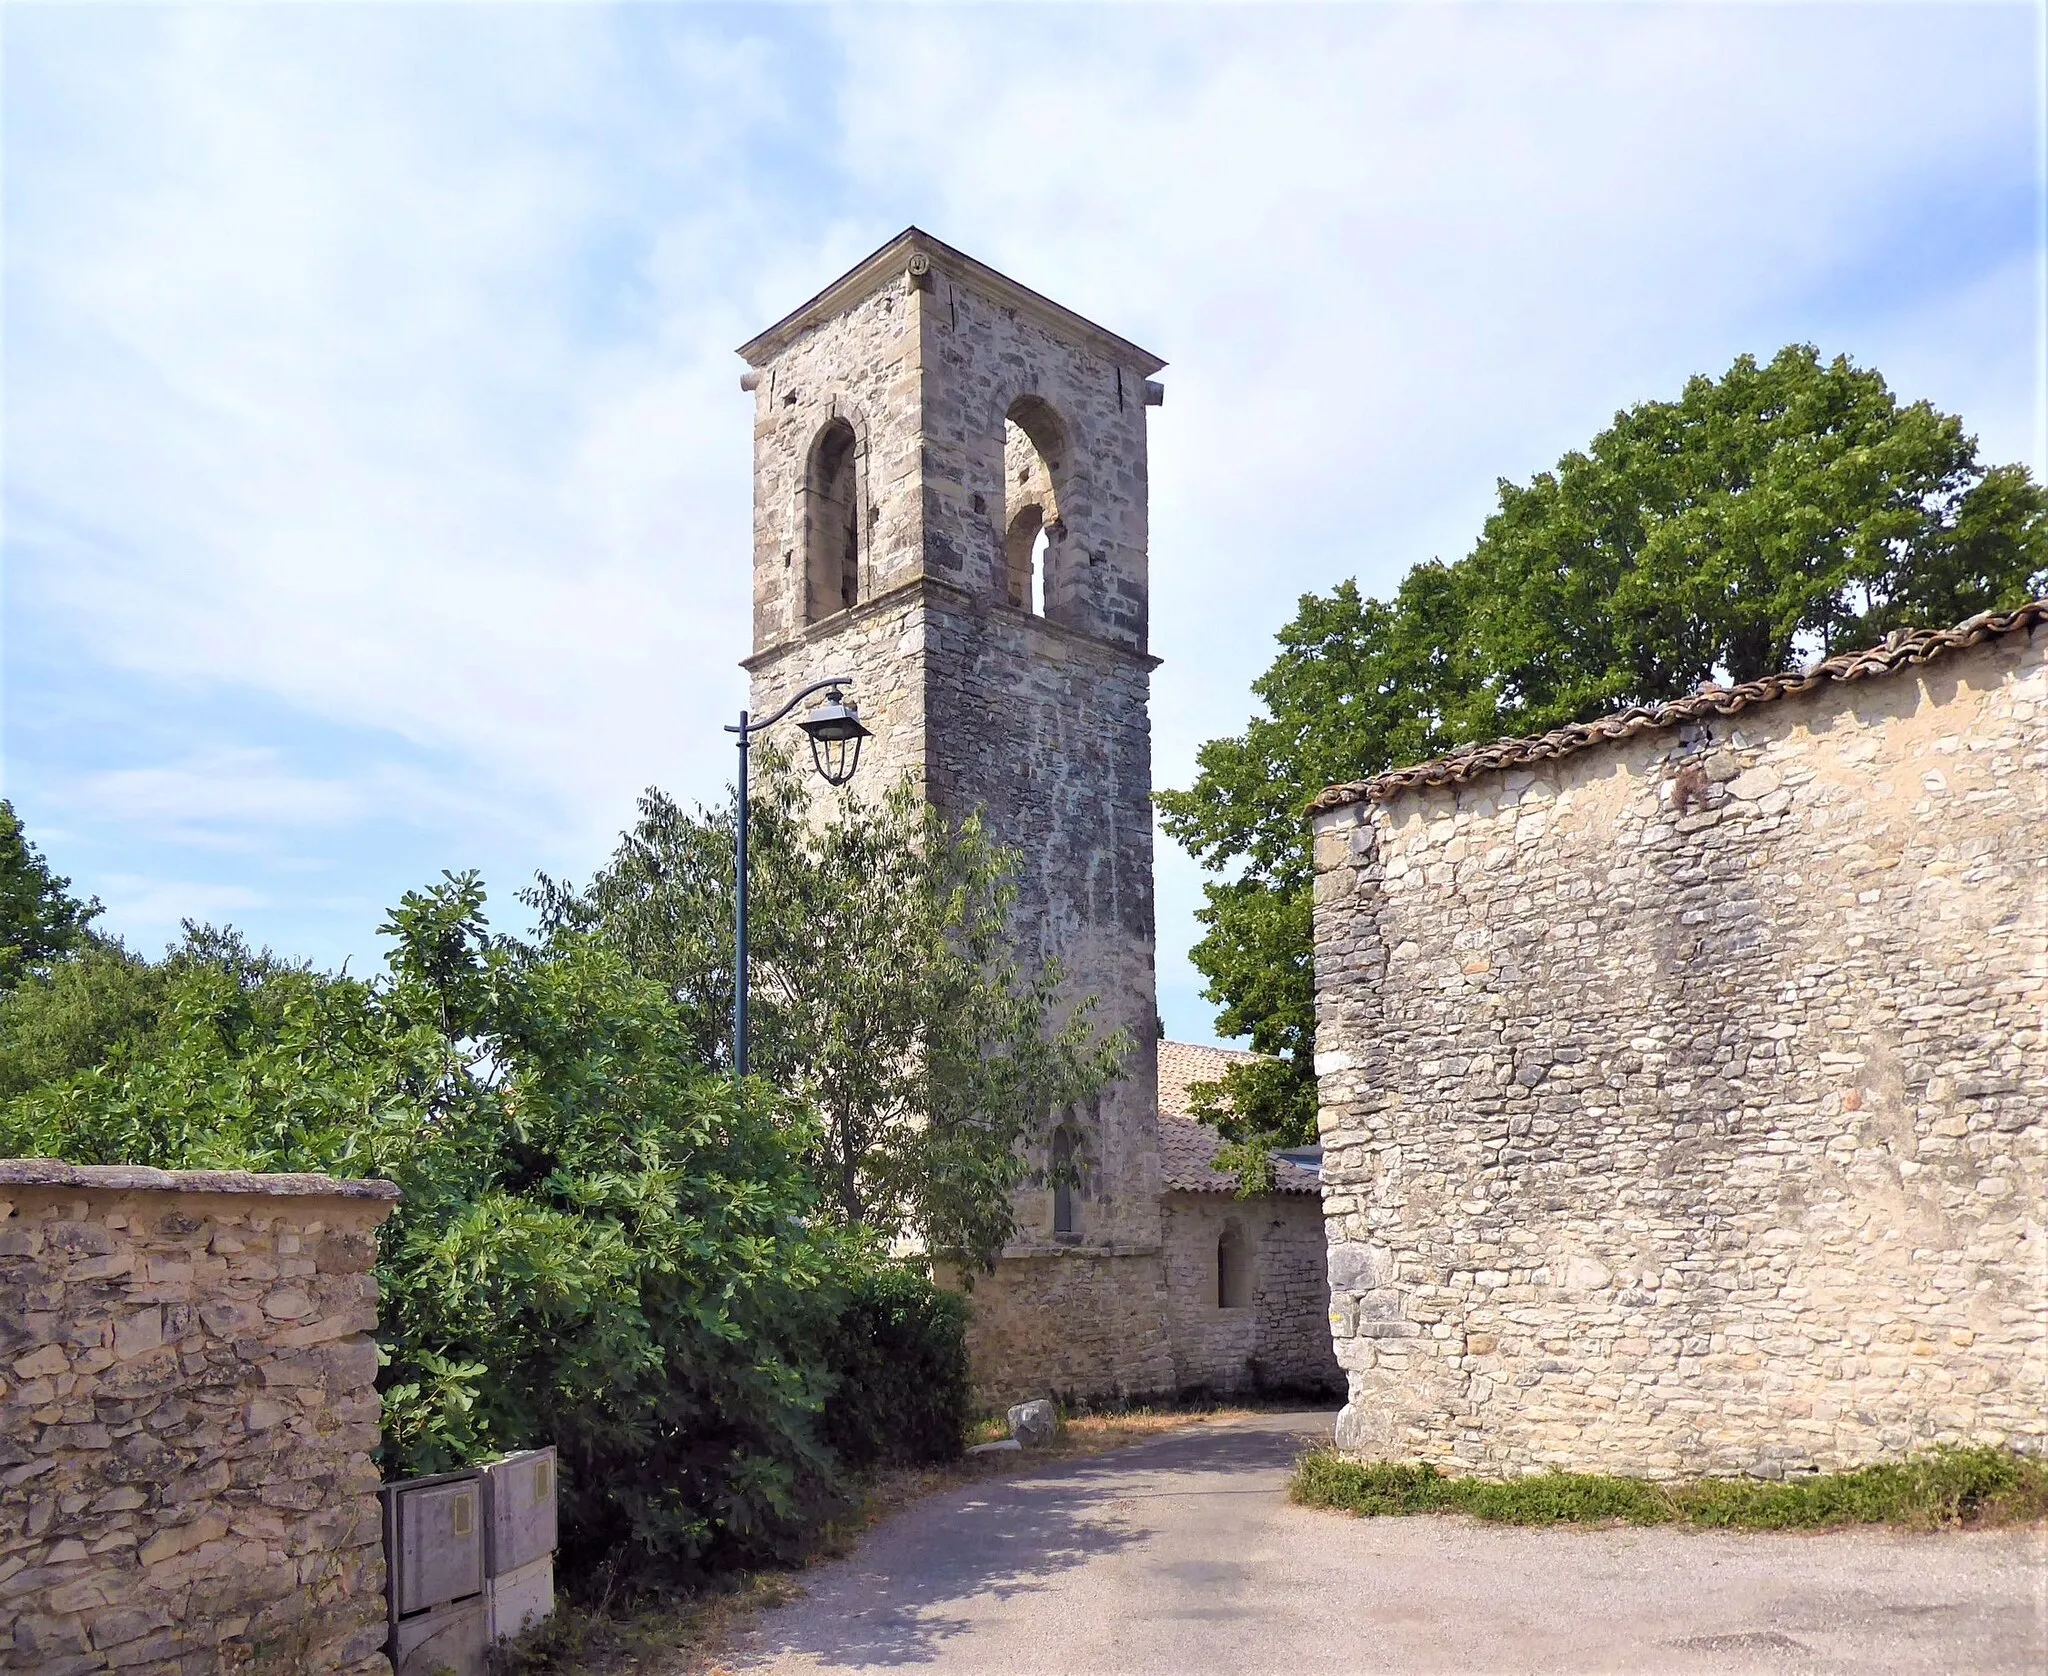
x,y
519,1510
434,1540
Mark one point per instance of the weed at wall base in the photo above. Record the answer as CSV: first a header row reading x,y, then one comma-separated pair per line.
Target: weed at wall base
x,y
1949,1487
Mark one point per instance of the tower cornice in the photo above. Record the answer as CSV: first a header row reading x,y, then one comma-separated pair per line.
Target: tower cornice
x,y
960,599
893,260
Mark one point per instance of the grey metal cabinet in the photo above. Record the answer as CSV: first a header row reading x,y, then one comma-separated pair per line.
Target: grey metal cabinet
x,y
434,1530
519,1510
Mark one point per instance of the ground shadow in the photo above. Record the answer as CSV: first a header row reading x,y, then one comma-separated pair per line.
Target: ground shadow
x,y
886,1605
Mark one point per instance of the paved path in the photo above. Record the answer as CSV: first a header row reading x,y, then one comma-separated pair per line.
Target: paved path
x,y
1182,1556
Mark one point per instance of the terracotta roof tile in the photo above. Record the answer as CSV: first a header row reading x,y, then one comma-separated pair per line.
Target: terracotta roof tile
x,y
1902,649
1187,1149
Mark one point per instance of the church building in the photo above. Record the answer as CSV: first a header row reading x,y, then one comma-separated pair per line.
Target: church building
x,y
950,507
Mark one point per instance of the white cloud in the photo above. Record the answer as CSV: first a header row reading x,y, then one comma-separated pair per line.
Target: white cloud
x,y
324,338
250,800
149,910
1396,253
376,362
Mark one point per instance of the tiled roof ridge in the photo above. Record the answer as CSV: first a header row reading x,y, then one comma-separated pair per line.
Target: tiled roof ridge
x,y
1901,649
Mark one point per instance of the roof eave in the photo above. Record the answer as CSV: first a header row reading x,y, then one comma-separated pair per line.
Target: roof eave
x,y
870,274
1899,651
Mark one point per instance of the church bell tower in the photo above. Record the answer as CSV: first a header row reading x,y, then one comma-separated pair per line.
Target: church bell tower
x,y
950,507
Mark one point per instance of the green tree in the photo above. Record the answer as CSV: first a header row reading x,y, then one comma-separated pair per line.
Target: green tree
x,y
39,919
1776,513
102,1003
599,1247
887,995
1779,512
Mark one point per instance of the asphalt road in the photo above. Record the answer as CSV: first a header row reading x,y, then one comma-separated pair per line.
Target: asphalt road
x,y
1183,1556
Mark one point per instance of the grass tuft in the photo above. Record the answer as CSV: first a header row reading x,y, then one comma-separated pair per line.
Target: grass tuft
x,y
1950,1487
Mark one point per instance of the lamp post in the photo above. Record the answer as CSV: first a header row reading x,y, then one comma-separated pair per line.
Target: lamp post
x,y
836,732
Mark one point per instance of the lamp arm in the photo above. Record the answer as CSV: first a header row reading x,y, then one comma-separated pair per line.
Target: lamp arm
x,y
752,727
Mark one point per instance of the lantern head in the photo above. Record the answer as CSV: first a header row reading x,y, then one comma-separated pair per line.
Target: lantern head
x,y
836,732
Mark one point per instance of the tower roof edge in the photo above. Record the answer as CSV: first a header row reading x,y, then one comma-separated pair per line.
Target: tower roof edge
x,y
875,270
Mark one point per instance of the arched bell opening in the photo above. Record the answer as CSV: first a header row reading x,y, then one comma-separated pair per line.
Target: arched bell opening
x,y
832,523
1034,527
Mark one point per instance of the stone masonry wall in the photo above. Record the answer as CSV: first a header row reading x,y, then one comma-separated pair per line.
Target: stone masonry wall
x,y
1072,1323
1049,734
187,1418
1042,725
865,369
981,357
1040,722
1685,1098
1281,1341
873,644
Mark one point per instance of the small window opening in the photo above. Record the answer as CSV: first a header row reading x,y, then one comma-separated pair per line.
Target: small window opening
x,y
1233,1269
1024,552
832,569
1063,1150
1034,449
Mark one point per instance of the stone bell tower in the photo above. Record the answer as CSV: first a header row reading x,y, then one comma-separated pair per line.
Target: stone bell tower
x,y
950,506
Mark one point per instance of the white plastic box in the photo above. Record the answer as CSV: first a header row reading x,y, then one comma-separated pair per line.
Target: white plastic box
x,y
521,1597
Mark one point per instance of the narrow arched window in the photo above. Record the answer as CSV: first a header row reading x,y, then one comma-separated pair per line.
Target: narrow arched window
x,y
1063,1171
1034,472
832,516
1233,1269
1022,550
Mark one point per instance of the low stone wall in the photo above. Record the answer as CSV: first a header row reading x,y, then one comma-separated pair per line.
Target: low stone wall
x,y
1685,1094
1074,1323
1280,1340
187,1419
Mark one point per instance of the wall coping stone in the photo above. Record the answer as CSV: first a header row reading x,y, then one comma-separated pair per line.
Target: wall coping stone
x,y
140,1178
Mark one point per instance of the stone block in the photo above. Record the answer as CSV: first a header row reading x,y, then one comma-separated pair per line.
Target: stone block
x,y
1034,1423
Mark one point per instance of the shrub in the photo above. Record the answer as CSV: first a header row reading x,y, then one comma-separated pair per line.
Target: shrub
x,y
1944,1488
898,1354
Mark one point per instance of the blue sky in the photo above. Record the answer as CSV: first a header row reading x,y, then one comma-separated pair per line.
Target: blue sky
x,y
376,477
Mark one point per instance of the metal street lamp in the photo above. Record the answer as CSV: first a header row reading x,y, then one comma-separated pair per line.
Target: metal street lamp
x,y
836,732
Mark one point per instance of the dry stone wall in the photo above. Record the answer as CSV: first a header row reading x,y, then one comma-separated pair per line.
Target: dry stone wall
x,y
1686,1098
188,1414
